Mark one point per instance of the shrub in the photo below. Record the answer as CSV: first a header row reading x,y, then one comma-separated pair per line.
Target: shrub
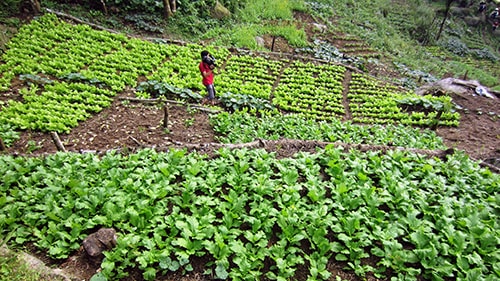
x,y
484,53
456,46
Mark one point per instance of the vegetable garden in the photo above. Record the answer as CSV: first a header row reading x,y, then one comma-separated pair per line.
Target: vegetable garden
x,y
249,214
108,63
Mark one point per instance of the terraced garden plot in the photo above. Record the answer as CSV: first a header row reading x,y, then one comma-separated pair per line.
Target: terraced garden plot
x,y
241,210
114,61
372,102
312,90
249,214
58,108
249,75
180,68
123,67
54,48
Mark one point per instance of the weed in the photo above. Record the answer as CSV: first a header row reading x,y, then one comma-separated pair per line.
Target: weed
x,y
13,269
191,111
189,122
31,146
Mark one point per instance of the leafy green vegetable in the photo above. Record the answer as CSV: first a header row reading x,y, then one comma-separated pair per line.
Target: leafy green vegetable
x,y
419,217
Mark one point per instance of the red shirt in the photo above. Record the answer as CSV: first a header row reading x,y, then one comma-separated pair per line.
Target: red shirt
x,y
209,79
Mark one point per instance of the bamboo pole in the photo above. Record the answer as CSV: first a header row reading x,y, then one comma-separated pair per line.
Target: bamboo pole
x,y
57,141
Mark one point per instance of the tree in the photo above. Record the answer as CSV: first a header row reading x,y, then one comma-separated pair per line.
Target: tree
x,y
169,7
35,6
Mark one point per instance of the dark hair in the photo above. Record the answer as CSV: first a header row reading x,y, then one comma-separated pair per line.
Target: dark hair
x,y
204,54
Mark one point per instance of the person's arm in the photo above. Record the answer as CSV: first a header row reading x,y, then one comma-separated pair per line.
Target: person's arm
x,y
206,73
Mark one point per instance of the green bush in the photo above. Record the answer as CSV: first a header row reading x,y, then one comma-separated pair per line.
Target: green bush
x,y
295,37
484,53
9,8
235,102
456,46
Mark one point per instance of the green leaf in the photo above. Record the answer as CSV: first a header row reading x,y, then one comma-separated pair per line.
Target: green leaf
x,y
98,277
182,242
341,257
221,272
474,274
149,274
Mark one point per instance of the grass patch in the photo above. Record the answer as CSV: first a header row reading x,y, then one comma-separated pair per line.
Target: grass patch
x,y
13,268
295,37
258,10
244,36
259,18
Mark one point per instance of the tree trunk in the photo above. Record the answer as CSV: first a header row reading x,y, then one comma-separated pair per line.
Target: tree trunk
x,y
35,6
104,8
173,6
169,8
447,11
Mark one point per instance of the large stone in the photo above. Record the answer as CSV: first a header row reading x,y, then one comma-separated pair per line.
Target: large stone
x,y
319,27
100,241
220,12
260,41
472,21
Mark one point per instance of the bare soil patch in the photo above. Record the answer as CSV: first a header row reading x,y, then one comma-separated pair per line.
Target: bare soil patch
x,y
130,126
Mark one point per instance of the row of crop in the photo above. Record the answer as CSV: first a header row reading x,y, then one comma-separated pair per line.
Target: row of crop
x,y
243,127
250,75
49,46
252,216
313,90
372,102
58,107
123,67
180,69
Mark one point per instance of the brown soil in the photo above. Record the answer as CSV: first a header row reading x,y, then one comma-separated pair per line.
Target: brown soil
x,y
131,126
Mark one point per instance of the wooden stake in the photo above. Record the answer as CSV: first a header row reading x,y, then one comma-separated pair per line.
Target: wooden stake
x,y
57,141
104,8
2,145
165,116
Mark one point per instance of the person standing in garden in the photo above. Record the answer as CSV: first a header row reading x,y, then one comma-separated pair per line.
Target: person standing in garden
x,y
495,15
482,7
207,66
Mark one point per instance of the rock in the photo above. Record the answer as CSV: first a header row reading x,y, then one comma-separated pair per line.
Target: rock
x,y
456,86
100,241
472,21
107,236
319,27
37,265
93,246
220,12
461,12
260,41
